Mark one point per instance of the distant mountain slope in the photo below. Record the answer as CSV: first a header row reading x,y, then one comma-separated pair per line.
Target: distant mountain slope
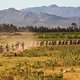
x,y
56,10
28,18
23,18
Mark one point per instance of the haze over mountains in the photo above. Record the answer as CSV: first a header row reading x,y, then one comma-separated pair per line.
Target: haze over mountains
x,y
49,16
56,10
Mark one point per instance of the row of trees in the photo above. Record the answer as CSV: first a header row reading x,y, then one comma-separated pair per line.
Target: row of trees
x,y
8,28
12,28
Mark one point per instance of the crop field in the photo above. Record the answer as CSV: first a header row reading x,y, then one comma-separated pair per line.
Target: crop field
x,y
37,62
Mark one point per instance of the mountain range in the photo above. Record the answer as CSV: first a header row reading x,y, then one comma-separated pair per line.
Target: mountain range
x,y
49,16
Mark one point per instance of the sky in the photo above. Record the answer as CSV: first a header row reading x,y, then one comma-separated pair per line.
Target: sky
x,y
20,4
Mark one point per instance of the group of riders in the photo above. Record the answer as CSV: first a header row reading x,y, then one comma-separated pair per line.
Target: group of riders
x,y
16,46
61,42
13,47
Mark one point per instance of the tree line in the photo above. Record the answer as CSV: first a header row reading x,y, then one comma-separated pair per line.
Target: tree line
x,y
12,28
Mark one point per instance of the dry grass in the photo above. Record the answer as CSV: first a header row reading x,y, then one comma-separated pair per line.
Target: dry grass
x,y
7,63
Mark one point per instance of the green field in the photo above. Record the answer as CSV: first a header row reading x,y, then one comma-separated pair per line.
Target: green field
x,y
40,63
59,35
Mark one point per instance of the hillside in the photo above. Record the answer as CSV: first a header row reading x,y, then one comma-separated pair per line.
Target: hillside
x,y
40,16
56,10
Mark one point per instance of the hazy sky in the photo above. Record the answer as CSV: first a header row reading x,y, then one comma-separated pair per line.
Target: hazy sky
x,y
19,4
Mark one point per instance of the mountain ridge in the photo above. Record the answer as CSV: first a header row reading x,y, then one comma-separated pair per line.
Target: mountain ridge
x,y
56,10
36,18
